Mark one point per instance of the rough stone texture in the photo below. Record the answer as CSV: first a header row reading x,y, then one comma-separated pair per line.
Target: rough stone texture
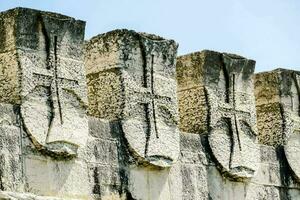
x,y
137,71
105,157
222,89
44,125
278,95
129,147
201,178
191,95
269,114
10,149
46,77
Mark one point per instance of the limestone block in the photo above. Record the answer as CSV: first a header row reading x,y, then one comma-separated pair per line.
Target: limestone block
x,y
262,192
42,70
269,117
175,183
4,195
193,167
284,127
103,151
192,150
220,189
11,177
66,178
194,182
269,172
105,182
293,194
131,79
191,95
100,128
149,184
224,105
9,83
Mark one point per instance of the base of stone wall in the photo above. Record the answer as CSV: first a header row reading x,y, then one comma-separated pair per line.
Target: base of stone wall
x,y
27,196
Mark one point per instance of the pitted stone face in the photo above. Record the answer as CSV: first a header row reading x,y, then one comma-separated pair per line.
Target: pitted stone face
x,y
148,113
291,117
278,109
232,121
150,123
53,88
230,105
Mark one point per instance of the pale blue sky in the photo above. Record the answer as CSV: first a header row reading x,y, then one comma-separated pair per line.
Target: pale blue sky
x,y
267,31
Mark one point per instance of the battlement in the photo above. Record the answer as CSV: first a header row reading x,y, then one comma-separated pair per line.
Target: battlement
x,y
121,116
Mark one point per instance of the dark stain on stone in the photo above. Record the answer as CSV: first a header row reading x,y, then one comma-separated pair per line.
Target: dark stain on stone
x,y
129,196
144,61
96,188
123,158
227,80
96,154
2,164
285,174
43,30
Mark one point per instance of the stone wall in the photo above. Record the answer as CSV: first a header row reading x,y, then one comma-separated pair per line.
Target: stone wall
x,y
122,117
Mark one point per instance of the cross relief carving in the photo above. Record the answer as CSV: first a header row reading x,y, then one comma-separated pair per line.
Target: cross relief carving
x,y
231,124
154,134
291,127
52,110
233,113
150,98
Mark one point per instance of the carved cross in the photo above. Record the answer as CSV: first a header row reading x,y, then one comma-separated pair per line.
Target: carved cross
x,y
149,98
54,81
232,134
235,112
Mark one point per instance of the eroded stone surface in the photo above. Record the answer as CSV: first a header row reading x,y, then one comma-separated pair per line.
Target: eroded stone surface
x,y
137,72
191,96
228,108
11,177
278,97
47,78
269,117
132,88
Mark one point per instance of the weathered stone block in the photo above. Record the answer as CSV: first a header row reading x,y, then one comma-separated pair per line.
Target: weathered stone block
x,y
11,177
149,184
105,181
277,101
131,79
223,104
133,108
191,95
102,151
57,178
194,182
192,150
269,119
41,64
99,128
261,192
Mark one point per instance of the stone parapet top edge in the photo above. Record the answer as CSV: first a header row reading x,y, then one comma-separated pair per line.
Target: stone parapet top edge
x,y
198,53
119,32
53,14
278,70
